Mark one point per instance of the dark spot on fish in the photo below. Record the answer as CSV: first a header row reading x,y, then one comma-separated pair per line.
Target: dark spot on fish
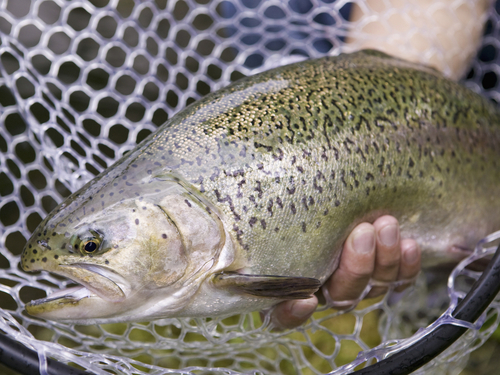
x,y
63,246
263,223
32,260
144,207
187,202
56,256
279,202
270,207
304,226
292,207
44,259
342,177
304,202
276,229
258,189
136,221
337,203
164,236
39,234
35,251
252,221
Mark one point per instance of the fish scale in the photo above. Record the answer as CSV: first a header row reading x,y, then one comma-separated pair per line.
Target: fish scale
x,y
269,175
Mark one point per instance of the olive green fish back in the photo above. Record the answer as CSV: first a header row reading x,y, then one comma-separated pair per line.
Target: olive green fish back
x,y
296,156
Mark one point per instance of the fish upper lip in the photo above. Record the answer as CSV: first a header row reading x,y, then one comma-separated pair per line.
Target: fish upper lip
x,y
99,280
113,285
103,271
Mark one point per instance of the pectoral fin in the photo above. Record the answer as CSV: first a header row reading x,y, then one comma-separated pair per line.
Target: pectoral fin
x,y
283,287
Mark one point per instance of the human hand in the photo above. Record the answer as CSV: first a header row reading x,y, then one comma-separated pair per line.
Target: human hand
x,y
372,251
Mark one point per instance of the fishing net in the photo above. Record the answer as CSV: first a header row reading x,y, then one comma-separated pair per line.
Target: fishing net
x,y
83,81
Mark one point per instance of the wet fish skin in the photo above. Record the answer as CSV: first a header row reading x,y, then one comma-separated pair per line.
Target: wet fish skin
x,y
267,177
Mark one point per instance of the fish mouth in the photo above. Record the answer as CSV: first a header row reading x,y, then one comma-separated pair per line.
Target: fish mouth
x,y
95,282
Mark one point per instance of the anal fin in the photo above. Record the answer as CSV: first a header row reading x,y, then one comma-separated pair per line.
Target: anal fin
x,y
283,287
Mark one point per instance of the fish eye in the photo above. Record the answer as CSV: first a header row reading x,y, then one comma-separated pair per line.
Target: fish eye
x,y
90,245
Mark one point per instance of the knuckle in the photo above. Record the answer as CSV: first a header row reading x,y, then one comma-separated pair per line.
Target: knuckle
x,y
387,264
359,274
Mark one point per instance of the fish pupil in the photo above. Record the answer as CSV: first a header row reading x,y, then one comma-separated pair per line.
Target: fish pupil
x,y
90,247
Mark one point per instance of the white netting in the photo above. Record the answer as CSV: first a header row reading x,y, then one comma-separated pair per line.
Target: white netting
x,y
83,81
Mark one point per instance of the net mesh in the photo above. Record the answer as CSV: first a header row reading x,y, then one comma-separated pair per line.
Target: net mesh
x,y
83,81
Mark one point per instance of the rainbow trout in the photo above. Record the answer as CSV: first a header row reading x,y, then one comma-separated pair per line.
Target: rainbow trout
x,y
245,198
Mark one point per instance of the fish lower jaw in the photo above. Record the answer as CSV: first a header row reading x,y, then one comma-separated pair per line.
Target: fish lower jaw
x,y
55,305
74,293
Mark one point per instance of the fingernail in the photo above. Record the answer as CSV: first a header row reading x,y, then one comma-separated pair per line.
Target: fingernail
x,y
411,255
303,308
364,242
388,235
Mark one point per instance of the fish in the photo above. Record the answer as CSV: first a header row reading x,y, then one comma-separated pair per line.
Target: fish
x,y
245,198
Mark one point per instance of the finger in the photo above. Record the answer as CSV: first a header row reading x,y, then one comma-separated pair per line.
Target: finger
x,y
356,265
388,253
410,262
290,314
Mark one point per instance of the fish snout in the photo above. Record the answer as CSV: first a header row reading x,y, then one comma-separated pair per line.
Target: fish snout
x,y
39,254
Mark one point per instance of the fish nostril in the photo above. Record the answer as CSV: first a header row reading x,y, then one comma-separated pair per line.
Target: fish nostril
x,y
44,244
